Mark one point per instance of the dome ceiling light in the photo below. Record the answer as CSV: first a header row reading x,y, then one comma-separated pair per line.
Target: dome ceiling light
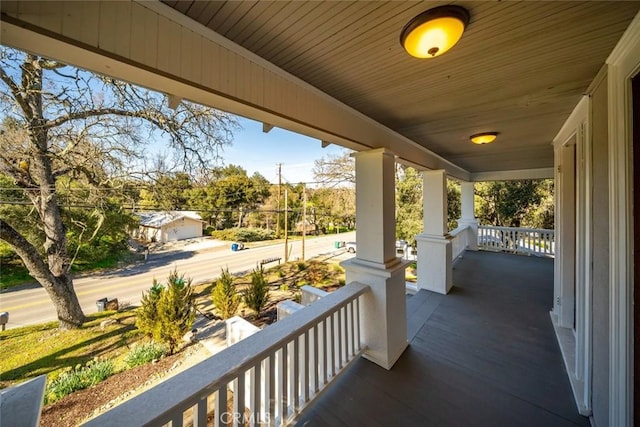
x,y
483,138
434,31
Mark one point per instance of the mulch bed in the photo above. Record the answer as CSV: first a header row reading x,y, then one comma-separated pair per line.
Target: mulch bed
x,y
71,410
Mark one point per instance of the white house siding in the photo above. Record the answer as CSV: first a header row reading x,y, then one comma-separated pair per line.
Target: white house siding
x,y
183,228
169,226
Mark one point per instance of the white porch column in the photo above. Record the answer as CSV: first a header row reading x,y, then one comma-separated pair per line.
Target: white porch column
x,y
434,247
383,315
467,214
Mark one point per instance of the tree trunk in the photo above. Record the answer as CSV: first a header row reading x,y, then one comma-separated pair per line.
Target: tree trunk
x,y
59,288
55,274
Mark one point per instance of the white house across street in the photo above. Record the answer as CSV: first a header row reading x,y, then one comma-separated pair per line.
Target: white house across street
x,y
168,226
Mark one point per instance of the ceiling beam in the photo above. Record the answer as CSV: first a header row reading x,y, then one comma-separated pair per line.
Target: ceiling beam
x,y
513,175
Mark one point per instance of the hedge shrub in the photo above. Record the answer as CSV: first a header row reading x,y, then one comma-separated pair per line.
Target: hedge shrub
x,y
243,234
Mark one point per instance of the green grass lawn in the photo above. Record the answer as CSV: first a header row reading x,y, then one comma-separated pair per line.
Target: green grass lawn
x,y
44,349
13,276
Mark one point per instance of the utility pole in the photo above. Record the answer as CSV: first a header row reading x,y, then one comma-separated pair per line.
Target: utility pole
x,y
286,230
278,210
304,217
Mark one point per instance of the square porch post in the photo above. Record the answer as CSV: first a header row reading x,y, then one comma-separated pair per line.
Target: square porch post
x,y
467,214
383,317
434,247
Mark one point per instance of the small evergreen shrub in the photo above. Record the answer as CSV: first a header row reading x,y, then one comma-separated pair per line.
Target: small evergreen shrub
x,y
224,296
79,378
147,313
145,353
302,266
167,313
256,294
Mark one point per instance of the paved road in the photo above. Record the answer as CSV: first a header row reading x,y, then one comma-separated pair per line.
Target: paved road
x,y
28,305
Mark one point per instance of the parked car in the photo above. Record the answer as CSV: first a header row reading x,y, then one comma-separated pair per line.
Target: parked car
x,y
351,247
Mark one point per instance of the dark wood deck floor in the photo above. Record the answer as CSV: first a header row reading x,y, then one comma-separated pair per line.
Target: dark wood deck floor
x,y
484,355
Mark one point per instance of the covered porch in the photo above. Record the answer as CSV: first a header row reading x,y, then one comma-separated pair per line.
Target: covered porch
x,y
534,73
484,355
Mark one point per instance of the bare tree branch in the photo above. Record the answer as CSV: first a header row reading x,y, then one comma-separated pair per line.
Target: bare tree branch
x,y
16,93
335,170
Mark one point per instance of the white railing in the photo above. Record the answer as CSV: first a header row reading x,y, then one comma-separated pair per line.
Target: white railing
x,y
459,240
274,373
529,241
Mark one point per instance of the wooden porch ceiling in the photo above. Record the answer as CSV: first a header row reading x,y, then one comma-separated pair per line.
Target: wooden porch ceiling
x,y
519,69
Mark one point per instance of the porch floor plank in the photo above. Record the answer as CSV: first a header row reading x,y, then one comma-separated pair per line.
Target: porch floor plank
x,y
484,355
419,308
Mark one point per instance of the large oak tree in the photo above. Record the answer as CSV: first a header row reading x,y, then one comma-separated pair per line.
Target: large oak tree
x,y
62,124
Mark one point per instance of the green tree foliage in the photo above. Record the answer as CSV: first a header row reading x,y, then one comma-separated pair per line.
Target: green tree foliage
x,y
256,295
224,296
542,215
167,313
454,203
409,207
168,192
409,204
525,203
228,195
335,205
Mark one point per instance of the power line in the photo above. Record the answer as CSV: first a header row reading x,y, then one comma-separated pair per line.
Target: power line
x,y
146,187
298,210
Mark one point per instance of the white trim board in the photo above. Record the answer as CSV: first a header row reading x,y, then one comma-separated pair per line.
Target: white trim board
x,y
624,63
570,127
567,343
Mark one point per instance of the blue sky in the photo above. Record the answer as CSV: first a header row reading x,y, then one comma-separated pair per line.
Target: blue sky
x,y
257,151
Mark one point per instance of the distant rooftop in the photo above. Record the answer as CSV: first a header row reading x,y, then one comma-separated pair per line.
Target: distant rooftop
x,y
160,219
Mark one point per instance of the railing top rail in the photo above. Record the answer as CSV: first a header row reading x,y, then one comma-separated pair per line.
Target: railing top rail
x,y
533,230
459,229
185,389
